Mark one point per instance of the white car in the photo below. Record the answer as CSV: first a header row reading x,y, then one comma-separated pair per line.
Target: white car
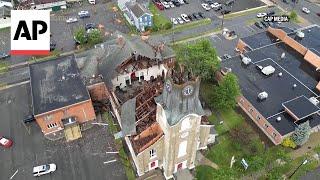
x,y
174,21
215,5
305,10
171,4
81,13
260,15
185,17
165,5
179,19
181,1
44,169
71,20
205,6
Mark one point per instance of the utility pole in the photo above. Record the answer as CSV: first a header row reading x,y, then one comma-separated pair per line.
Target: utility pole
x,y
303,163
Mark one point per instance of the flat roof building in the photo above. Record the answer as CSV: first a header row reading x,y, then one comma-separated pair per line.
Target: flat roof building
x,y
291,89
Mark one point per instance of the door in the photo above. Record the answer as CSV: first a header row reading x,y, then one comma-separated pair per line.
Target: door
x,y
72,132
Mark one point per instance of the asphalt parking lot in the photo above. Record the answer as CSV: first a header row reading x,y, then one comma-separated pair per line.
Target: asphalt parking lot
x,y
82,159
62,33
240,5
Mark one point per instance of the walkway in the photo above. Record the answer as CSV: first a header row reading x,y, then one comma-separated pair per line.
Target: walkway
x,y
202,160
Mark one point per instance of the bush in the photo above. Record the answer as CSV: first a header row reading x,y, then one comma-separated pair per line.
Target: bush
x,y
293,16
288,142
167,25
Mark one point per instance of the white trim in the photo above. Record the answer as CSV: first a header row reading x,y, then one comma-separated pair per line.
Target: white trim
x,y
184,165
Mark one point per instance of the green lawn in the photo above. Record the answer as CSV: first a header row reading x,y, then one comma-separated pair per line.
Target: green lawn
x,y
159,20
182,27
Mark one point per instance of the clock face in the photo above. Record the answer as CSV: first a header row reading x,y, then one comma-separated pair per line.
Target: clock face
x,y
188,90
168,86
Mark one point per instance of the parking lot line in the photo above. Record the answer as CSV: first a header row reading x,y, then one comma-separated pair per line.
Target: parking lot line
x,y
107,162
14,174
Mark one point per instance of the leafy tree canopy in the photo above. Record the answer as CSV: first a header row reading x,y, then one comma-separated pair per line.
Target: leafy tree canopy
x,y
200,58
301,133
94,37
80,36
224,95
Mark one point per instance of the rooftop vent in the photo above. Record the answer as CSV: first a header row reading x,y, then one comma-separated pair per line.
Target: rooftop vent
x,y
246,60
314,101
268,70
283,55
263,95
300,34
294,85
278,118
280,74
63,77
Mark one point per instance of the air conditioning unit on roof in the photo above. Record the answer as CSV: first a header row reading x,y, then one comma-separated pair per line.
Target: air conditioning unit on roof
x,y
246,60
268,70
263,95
314,100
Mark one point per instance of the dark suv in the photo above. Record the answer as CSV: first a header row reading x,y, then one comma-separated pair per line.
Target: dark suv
x,y
28,119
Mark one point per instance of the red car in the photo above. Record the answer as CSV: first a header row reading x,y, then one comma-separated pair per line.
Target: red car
x,y
159,6
5,142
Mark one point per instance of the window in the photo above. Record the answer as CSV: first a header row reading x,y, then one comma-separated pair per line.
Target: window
x,y
274,134
251,110
266,125
182,149
52,125
140,20
185,124
152,153
258,117
241,101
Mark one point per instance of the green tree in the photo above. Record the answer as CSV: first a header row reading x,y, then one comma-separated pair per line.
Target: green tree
x,y
224,95
199,58
293,16
288,142
80,36
301,133
94,37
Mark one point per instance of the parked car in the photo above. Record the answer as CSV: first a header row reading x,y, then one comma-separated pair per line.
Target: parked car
x,y
218,8
305,10
209,1
44,169
180,20
196,16
174,21
181,1
205,6
4,55
191,17
84,14
271,13
264,24
5,142
29,119
260,15
165,5
226,56
171,4
186,1
225,11
90,26
52,46
215,5
285,1
71,20
185,17
229,3
176,3
258,25
159,6
201,15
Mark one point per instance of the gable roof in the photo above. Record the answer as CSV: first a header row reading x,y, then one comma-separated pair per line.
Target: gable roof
x,y
137,9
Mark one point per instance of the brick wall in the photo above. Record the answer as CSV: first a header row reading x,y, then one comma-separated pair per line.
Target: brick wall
x,y
98,92
259,120
51,121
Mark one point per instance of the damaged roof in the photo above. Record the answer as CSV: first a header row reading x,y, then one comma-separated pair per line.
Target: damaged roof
x,y
56,84
107,56
178,105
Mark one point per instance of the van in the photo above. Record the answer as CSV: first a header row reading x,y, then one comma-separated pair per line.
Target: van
x,y
92,1
44,169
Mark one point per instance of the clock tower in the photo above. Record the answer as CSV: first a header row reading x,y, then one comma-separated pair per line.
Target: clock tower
x,y
179,113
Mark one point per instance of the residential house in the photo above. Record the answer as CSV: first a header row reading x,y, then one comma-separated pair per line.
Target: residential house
x,y
5,14
137,15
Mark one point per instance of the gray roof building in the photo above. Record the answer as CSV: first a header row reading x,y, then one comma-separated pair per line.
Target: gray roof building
x,y
56,84
137,9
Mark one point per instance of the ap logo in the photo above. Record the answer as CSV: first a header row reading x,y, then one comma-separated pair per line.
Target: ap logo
x,y
30,32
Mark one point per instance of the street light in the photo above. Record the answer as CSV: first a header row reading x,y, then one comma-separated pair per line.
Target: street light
x,y
303,163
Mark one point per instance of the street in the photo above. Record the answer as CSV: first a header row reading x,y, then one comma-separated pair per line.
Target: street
x,y
82,159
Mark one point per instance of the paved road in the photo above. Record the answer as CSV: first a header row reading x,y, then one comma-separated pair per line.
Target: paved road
x,y
79,160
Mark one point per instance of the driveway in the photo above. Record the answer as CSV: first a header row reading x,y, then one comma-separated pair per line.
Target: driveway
x,y
82,159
